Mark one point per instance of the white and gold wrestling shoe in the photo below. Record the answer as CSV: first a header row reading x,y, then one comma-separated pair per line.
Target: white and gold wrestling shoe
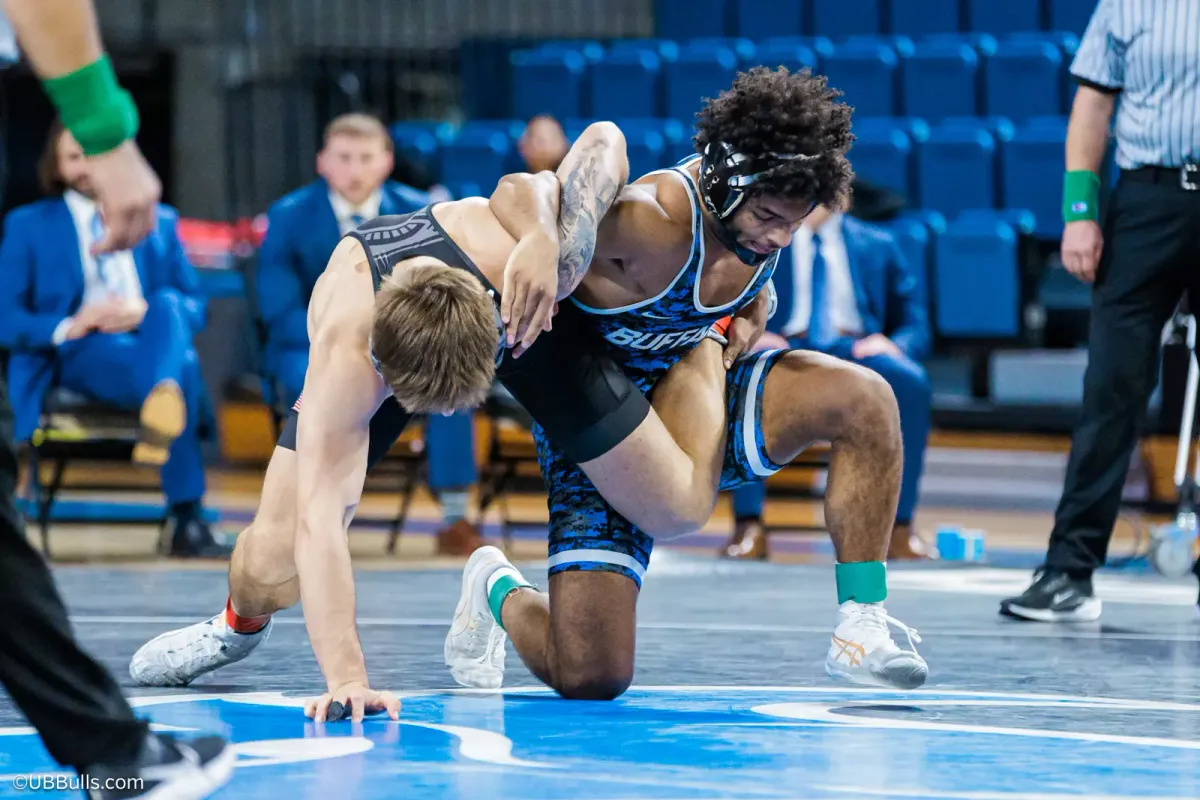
x,y
176,658
862,651
474,649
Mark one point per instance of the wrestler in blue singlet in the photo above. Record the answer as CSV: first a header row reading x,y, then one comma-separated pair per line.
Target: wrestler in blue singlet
x,y
647,339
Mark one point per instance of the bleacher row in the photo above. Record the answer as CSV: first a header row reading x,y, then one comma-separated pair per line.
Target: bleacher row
x,y
1018,76
758,19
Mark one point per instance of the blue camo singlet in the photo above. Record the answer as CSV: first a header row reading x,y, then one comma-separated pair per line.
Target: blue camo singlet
x,y
649,337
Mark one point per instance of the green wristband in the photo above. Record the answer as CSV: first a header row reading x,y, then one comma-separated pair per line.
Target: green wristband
x,y
1081,196
861,581
93,107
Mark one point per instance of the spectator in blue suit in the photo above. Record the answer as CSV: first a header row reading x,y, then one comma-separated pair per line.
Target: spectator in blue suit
x,y
116,328
303,228
870,309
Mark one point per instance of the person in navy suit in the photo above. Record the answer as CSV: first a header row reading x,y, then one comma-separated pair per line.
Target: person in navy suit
x,y
303,228
845,289
116,327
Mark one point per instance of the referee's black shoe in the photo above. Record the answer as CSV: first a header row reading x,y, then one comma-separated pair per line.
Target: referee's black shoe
x,y
180,769
1054,597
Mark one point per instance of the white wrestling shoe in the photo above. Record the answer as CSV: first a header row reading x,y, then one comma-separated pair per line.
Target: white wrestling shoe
x,y
474,649
862,650
178,657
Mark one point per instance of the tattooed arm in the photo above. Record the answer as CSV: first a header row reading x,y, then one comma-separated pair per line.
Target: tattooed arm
x,y
592,175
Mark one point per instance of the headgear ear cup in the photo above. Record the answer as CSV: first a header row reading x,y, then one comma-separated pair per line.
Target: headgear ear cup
x,y
725,176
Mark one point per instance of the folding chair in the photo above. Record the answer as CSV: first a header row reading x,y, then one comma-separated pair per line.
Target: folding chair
x,y
1171,544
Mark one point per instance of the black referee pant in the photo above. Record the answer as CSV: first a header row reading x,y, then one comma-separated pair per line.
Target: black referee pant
x,y
1151,256
73,702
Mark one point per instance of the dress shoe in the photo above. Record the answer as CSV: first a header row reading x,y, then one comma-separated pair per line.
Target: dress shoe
x,y
460,538
191,537
749,541
907,546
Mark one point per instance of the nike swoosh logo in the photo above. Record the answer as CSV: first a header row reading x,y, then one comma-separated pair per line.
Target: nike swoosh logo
x,y
652,315
1061,596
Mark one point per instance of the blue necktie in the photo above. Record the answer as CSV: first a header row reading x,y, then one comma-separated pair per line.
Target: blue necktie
x,y
820,332
104,262
357,220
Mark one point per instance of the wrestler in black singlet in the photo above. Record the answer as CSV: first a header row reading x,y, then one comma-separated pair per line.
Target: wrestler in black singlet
x,y
567,381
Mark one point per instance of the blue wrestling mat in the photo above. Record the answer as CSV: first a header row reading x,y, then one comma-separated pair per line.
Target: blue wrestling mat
x,y
731,700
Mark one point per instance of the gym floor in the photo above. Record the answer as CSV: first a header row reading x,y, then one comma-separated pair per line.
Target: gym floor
x,y
730,696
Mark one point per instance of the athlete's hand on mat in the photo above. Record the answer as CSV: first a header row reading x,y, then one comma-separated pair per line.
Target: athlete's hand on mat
x,y
359,699
122,316
745,329
1082,243
527,300
874,345
128,192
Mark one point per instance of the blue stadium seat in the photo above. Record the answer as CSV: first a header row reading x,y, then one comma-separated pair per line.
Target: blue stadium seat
x,y
419,146
695,75
626,84
759,19
665,49
941,80
742,48
512,128
1032,174
477,155
591,50
1021,221
983,43
915,242
838,19
921,17
976,291
916,128
1001,128
867,75
884,156
934,221
547,82
1071,15
1024,79
1065,41
956,169
1006,16
903,45
647,151
794,56
689,19
465,189
821,45
643,137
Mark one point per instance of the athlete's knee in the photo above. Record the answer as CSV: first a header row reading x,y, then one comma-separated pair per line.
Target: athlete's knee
x,y
685,512
592,681
854,402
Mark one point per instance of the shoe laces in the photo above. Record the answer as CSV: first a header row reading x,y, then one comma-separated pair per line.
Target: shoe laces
x,y
875,619
486,638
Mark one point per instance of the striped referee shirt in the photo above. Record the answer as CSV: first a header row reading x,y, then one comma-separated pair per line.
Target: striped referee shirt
x,y
1149,52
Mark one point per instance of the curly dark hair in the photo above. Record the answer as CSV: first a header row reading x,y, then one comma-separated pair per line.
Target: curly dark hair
x,y
776,111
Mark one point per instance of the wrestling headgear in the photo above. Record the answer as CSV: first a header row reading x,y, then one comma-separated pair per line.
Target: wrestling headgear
x,y
725,175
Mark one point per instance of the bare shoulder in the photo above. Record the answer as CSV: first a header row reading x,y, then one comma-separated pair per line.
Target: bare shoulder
x,y
652,215
343,300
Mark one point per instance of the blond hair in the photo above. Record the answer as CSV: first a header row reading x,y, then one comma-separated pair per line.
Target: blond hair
x,y
359,125
435,337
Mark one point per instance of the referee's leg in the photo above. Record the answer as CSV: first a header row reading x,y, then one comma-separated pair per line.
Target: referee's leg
x,y
1142,274
71,700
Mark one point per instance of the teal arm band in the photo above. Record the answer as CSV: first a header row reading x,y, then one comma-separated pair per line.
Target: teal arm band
x,y
93,107
1081,196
